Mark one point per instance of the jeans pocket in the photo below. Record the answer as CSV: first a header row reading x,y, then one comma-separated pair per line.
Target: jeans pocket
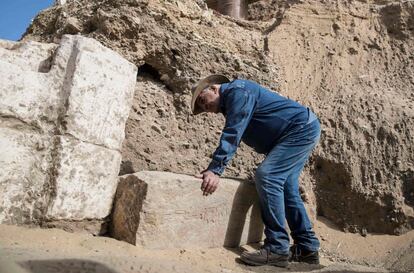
x,y
305,134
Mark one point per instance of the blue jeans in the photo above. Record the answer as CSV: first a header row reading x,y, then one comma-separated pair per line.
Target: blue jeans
x,y
277,183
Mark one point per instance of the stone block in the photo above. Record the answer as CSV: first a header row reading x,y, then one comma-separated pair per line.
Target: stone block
x,y
60,2
28,92
100,94
23,175
129,196
85,179
175,213
63,110
28,56
27,96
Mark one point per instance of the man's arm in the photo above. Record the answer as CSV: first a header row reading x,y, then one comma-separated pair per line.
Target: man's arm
x,y
240,105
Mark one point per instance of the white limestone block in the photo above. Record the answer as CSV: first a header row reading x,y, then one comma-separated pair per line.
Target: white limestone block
x,y
27,96
23,174
100,95
85,180
28,56
63,110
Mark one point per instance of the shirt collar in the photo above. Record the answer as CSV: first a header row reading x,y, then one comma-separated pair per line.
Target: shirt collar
x,y
223,88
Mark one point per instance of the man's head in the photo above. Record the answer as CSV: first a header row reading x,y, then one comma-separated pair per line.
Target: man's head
x,y
206,95
209,99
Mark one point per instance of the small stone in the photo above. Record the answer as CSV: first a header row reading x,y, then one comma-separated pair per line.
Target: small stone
x,y
364,232
72,26
156,128
352,51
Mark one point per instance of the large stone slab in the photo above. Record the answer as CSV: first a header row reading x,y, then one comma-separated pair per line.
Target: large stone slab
x,y
176,214
27,96
130,194
23,175
100,93
29,56
63,110
85,180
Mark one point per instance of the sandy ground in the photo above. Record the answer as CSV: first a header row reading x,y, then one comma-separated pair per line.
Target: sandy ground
x,y
56,251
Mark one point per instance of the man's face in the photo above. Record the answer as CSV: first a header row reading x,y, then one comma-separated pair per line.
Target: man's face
x,y
209,99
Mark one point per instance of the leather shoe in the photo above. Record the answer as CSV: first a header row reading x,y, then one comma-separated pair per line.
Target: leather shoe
x,y
263,256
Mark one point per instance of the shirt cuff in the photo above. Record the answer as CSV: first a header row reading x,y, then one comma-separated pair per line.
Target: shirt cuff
x,y
216,167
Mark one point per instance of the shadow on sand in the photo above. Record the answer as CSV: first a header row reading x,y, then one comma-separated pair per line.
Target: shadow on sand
x,y
246,200
65,266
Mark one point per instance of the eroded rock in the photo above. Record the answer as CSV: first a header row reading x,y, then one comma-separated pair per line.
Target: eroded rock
x,y
130,194
62,115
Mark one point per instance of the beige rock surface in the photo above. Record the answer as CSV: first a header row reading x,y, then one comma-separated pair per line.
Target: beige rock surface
x,y
100,94
175,214
62,116
30,56
85,180
24,170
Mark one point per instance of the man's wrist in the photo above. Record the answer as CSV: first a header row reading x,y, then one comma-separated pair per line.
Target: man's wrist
x,y
216,173
216,167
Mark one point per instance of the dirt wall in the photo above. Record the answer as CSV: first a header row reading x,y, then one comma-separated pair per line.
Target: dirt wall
x,y
350,61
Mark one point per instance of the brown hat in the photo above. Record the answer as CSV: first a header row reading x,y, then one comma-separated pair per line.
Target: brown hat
x,y
203,84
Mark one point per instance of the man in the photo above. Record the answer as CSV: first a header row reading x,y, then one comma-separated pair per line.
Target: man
x,y
286,132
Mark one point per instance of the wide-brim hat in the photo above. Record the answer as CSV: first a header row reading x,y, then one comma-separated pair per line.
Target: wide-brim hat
x,y
203,84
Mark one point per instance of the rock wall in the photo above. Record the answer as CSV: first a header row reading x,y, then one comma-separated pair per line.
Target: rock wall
x,y
63,110
351,61
353,64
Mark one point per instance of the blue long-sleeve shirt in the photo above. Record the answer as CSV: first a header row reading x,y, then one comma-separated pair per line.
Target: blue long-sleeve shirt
x,y
257,116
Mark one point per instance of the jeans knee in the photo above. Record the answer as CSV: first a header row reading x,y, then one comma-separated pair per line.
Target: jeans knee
x,y
266,178
262,173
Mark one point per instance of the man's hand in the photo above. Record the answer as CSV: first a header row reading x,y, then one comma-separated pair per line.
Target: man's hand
x,y
210,182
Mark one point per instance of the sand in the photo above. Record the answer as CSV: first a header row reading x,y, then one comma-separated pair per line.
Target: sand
x,y
54,250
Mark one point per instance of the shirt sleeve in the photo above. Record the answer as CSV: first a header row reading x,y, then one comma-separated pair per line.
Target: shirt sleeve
x,y
239,104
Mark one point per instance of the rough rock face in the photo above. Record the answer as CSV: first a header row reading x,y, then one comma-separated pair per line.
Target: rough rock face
x,y
351,61
63,110
176,214
355,68
127,206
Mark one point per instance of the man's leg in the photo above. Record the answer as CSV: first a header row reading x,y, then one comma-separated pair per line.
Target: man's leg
x,y
306,244
297,218
270,179
285,159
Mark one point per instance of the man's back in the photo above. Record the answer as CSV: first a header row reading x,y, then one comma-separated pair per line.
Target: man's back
x,y
266,115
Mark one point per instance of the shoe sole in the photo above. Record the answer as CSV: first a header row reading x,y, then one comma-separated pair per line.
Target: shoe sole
x,y
310,262
275,263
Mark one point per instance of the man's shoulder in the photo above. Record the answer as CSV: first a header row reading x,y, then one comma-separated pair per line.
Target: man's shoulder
x,y
239,83
236,85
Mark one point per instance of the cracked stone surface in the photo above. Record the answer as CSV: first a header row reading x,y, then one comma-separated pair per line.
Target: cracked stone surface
x,y
175,214
63,110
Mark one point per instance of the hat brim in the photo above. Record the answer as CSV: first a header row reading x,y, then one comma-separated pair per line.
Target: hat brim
x,y
203,84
